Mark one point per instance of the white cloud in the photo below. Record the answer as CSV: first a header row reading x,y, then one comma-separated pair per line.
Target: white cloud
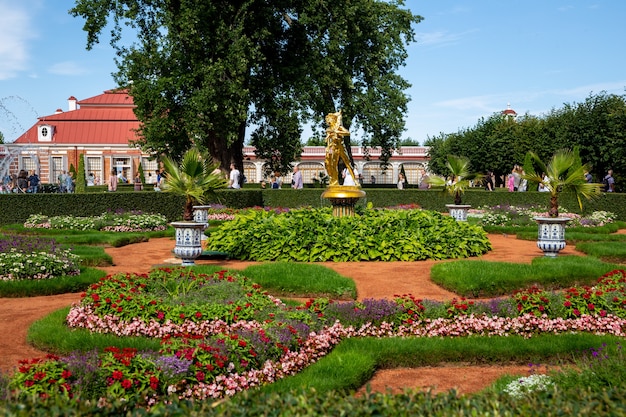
x,y
67,68
15,31
440,38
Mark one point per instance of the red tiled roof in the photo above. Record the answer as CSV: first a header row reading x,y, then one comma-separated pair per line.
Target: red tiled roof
x,y
107,119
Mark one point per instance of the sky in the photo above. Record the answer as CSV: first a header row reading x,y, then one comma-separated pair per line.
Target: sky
x,y
471,60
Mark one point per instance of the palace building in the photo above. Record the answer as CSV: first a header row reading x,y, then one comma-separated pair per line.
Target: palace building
x,y
103,127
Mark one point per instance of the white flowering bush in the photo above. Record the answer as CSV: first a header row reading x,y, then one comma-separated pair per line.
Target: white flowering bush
x,y
110,222
525,385
507,215
16,265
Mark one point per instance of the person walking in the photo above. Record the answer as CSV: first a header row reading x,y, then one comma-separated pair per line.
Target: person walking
x,y
400,181
33,182
112,183
233,179
609,182
296,181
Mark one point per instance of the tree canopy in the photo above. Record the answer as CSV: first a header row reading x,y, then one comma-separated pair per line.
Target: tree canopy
x,y
201,71
596,126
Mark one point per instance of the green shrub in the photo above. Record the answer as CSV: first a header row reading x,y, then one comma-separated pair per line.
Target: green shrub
x,y
314,235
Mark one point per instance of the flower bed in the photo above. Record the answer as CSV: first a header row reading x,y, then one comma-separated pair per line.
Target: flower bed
x,y
109,222
507,215
35,258
215,349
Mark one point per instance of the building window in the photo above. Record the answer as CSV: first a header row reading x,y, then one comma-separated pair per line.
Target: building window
x,y
123,165
412,171
374,174
93,170
249,170
310,170
56,168
28,164
149,167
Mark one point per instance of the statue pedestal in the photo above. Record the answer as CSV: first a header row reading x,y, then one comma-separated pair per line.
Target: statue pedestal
x,y
343,199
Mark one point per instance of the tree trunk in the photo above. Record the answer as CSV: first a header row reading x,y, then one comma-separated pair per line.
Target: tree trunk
x,y
224,153
554,206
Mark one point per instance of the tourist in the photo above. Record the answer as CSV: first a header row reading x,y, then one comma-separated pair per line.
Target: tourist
x,y
33,182
348,179
233,181
401,181
296,181
609,182
112,183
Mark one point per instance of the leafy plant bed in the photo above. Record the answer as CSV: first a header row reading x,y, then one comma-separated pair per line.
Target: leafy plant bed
x,y
314,235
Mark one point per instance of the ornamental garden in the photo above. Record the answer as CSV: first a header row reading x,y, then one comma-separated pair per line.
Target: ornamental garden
x,y
287,336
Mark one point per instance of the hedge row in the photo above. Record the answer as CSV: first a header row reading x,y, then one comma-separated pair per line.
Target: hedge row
x,y
15,208
583,401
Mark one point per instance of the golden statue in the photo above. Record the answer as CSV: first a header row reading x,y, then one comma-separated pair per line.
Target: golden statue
x,y
342,197
335,148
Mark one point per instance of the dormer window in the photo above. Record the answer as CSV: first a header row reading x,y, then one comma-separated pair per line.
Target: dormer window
x,y
45,133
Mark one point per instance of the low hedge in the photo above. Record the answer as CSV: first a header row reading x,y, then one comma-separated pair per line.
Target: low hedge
x,y
15,208
583,401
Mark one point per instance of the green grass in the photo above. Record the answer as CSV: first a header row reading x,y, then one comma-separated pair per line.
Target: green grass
x,y
52,335
91,255
59,285
301,280
353,362
471,278
607,251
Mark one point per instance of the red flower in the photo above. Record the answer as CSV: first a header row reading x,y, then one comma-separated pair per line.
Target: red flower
x,y
127,383
242,343
200,376
591,307
66,374
95,297
117,375
567,304
198,314
39,376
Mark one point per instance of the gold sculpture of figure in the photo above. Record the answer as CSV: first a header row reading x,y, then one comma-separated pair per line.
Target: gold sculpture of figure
x,y
335,148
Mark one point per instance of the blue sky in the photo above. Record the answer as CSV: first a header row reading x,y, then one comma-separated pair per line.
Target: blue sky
x,y
471,59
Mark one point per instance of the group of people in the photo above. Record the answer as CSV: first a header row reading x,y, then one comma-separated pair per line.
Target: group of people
x,y
516,181
23,182
236,179
65,181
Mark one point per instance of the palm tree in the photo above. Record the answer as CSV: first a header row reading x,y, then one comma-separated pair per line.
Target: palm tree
x,y
563,172
195,177
461,177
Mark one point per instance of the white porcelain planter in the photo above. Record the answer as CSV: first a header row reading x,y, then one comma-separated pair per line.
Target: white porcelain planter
x,y
201,215
551,236
188,241
458,211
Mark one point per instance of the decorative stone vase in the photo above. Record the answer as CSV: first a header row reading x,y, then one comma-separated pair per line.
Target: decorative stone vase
x,y
458,211
188,241
551,237
201,215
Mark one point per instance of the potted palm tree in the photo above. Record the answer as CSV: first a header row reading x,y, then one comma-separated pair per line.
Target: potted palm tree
x,y
460,178
195,177
564,172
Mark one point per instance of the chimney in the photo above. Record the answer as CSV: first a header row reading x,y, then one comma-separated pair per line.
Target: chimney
x,y
58,111
72,103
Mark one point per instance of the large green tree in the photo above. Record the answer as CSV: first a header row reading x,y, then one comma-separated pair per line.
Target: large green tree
x,y
596,126
202,71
